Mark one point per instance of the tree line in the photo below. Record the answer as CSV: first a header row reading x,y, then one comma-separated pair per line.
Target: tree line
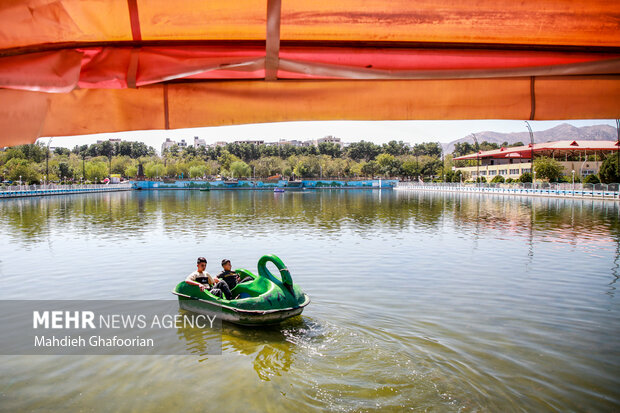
x,y
92,163
360,160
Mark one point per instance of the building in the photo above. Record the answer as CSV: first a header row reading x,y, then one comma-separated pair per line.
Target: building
x,y
113,140
199,142
182,144
583,157
328,139
168,143
250,142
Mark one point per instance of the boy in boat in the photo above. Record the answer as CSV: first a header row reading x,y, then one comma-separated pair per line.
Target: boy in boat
x,y
204,280
231,277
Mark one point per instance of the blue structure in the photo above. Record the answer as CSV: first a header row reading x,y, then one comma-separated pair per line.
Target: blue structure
x,y
258,184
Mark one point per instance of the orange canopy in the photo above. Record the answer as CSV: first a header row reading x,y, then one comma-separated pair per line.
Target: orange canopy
x,y
72,67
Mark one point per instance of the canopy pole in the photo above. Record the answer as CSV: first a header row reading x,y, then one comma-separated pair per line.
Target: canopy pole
x,y
272,39
532,98
134,19
166,109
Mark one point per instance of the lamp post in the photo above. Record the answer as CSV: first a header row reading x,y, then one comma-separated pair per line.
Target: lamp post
x,y
477,159
20,182
534,178
531,151
573,182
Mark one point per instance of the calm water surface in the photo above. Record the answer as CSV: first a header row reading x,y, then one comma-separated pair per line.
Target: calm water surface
x,y
424,302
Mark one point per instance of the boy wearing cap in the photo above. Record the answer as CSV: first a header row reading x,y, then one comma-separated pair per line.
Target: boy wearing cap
x,y
203,279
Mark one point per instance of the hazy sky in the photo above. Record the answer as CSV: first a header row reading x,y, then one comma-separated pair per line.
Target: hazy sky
x,y
349,131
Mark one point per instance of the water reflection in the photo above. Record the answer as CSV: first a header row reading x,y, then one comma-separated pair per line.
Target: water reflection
x,y
455,302
326,213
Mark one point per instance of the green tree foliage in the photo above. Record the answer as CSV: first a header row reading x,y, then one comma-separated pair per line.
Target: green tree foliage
x,y
226,159
363,150
96,171
331,149
121,163
62,151
548,168
591,179
432,149
396,148
65,171
388,165
409,169
488,146
463,148
154,170
268,166
18,167
498,179
197,171
525,177
240,169
131,171
610,170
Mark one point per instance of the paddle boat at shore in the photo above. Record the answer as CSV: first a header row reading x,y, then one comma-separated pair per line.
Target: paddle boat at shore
x,y
266,299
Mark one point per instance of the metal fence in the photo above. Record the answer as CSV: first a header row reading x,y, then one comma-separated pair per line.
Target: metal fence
x,y
604,191
52,189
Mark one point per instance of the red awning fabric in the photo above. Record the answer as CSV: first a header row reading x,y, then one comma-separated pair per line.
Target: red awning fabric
x,y
76,67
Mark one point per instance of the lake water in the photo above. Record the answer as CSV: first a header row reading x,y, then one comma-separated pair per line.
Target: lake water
x,y
420,301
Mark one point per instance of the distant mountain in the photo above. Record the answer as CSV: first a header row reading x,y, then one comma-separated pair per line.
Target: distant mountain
x,y
557,133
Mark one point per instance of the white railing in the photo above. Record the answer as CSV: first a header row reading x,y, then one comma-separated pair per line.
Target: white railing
x,y
604,191
49,188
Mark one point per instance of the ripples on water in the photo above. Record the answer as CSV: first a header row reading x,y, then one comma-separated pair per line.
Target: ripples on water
x,y
420,301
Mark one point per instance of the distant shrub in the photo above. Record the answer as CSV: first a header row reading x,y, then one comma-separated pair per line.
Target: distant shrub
x,y
525,177
591,179
498,179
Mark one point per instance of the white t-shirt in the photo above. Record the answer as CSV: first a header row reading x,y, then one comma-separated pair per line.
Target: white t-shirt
x,y
197,274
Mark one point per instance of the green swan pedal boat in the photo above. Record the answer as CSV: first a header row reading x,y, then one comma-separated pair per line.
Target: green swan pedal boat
x,y
266,299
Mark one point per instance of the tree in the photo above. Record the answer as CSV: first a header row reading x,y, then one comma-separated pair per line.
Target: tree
x,y
131,171
548,168
240,169
330,148
363,150
197,171
62,151
64,170
409,168
96,171
591,179
395,148
370,168
463,148
610,170
498,179
388,164
153,170
226,159
525,177
16,168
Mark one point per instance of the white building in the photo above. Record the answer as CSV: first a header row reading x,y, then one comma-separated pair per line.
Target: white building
x,y
199,142
328,139
168,143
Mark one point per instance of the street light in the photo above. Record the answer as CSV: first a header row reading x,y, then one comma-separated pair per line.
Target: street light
x,y
573,182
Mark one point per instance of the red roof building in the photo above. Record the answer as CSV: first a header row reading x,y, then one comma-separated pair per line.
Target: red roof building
x,y
583,157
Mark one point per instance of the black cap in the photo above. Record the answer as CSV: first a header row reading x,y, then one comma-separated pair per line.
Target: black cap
x,y
225,261
201,259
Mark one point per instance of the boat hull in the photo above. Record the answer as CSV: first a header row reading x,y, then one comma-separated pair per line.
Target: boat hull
x,y
236,316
